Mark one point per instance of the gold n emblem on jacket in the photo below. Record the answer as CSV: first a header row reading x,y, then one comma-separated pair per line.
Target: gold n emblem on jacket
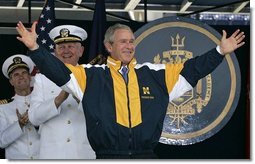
x,y
191,102
146,93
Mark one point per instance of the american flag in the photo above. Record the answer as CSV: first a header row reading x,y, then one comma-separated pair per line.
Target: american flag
x,y
45,23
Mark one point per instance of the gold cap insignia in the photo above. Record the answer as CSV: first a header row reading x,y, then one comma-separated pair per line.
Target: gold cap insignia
x,y
64,33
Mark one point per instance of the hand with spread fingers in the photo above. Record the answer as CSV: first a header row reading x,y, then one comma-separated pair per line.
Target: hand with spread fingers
x,y
22,118
228,45
28,37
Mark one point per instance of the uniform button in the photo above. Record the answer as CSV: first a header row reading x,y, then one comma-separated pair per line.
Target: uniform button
x,y
68,140
69,122
31,158
69,105
30,143
29,129
52,91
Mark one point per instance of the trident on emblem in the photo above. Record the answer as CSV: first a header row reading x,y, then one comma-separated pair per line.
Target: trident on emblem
x,y
177,44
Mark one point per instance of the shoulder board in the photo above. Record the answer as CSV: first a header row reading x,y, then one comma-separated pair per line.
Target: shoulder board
x,y
6,101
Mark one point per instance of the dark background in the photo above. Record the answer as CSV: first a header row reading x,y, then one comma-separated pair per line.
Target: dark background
x,y
231,142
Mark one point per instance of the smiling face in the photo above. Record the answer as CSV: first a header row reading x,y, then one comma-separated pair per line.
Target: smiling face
x,y
122,46
69,52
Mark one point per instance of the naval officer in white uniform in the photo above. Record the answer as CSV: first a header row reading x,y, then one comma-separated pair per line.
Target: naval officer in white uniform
x,y
17,135
62,124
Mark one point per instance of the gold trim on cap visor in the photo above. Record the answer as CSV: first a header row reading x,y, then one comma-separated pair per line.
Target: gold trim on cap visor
x,y
16,66
67,39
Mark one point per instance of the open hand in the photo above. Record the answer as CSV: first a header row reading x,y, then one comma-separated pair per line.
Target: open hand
x,y
28,37
228,45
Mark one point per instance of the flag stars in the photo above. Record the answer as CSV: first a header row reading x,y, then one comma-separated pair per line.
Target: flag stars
x,y
47,8
51,46
44,41
42,28
45,24
48,21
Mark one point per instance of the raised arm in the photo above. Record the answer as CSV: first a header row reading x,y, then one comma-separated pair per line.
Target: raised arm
x,y
51,66
200,66
47,63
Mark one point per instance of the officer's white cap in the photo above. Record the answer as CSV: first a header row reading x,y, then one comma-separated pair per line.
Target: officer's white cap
x,y
17,61
67,33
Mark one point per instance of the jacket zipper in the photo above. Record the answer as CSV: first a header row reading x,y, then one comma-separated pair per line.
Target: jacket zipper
x,y
129,118
130,125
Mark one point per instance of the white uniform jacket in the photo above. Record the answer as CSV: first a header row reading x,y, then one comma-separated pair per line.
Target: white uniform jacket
x,y
18,143
63,129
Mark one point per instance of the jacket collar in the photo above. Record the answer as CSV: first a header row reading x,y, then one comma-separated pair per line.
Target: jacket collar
x,y
117,64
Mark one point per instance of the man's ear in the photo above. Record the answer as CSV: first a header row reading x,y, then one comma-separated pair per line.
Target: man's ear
x,y
10,80
82,51
108,47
